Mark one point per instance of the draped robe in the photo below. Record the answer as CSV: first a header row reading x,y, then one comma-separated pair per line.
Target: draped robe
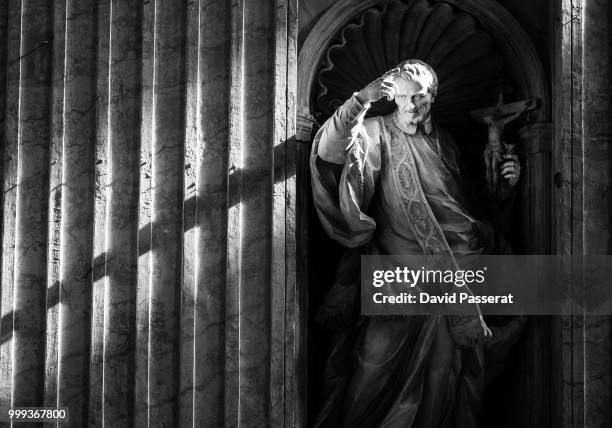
x,y
397,194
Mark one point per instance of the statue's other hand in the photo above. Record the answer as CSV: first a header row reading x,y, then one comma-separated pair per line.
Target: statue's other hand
x,y
511,169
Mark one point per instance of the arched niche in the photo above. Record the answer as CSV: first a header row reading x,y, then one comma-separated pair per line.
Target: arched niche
x,y
478,50
359,34
508,63
520,60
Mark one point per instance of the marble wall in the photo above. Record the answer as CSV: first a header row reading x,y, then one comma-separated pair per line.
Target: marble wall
x,y
582,201
148,228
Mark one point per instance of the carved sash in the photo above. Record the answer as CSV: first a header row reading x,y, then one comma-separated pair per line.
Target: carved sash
x,y
425,227
466,324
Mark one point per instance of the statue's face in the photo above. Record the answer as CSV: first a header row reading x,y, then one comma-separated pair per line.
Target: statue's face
x,y
413,100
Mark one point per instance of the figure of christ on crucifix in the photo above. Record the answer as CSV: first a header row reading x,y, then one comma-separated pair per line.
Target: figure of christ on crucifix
x,y
402,190
496,118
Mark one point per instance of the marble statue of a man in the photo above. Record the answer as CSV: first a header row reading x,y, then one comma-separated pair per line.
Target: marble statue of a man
x,y
394,185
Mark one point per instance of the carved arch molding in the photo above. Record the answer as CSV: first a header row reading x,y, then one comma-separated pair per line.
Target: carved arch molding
x,y
477,48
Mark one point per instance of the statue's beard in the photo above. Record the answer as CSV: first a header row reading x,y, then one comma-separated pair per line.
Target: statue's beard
x,y
414,116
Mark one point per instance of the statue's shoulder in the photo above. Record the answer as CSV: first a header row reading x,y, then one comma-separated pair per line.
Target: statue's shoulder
x,y
447,143
444,137
442,133
382,124
372,120
387,120
375,125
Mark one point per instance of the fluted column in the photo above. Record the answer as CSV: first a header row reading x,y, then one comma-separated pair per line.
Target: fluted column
x,y
582,201
149,212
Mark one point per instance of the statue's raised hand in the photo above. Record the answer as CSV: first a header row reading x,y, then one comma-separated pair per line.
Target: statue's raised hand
x,y
382,87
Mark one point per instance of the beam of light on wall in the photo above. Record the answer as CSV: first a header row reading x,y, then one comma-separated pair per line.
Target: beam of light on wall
x,y
17,214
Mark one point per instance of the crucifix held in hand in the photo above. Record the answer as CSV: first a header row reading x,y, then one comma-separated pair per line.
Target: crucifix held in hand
x,y
496,118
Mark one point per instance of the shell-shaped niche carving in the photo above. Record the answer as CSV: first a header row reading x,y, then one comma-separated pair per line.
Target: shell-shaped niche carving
x,y
464,55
